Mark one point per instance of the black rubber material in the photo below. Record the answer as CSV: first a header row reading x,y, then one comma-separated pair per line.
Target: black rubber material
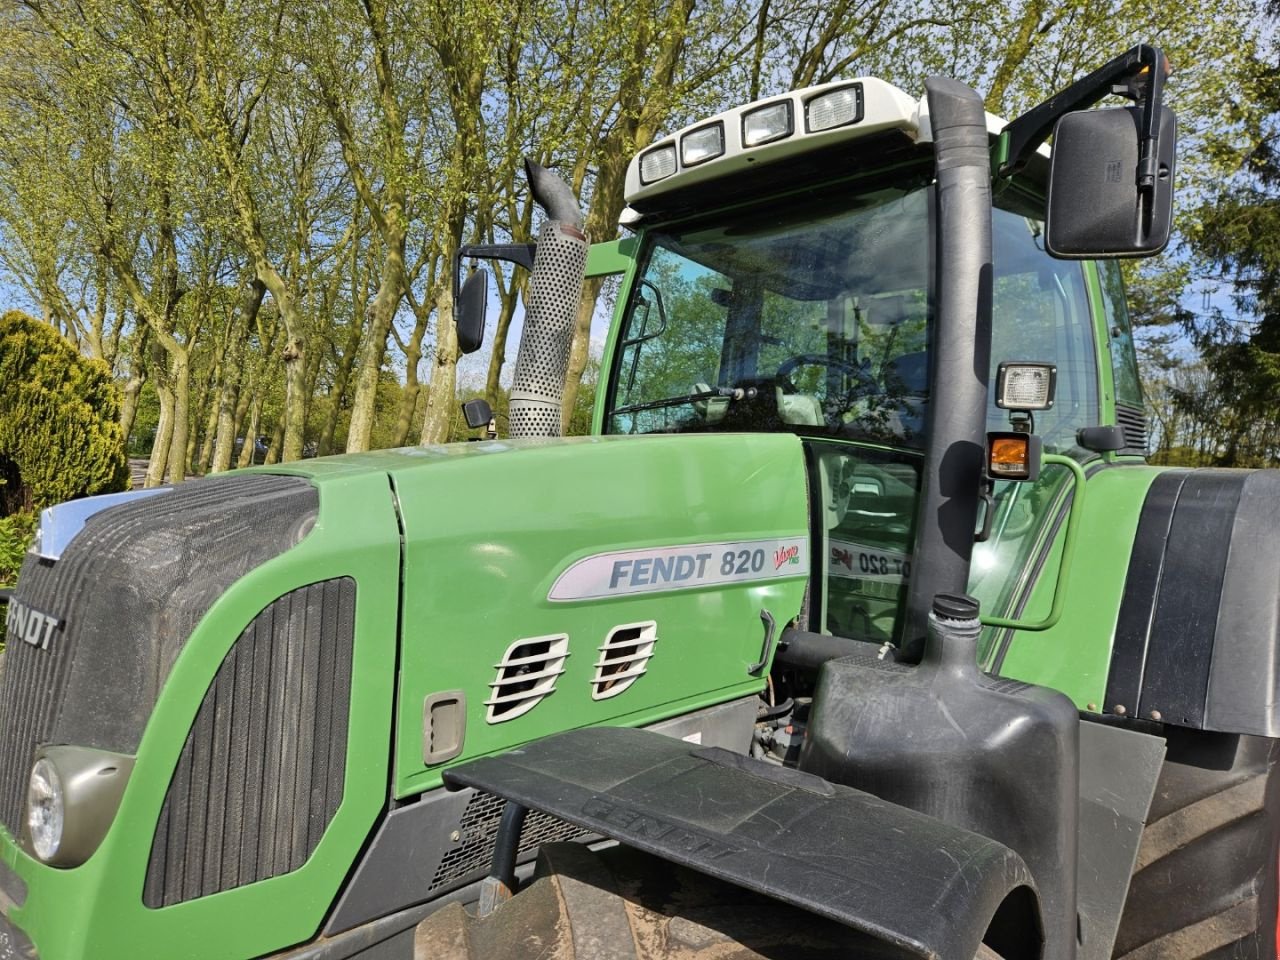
x,y
1205,882
620,904
947,512
929,888
1197,639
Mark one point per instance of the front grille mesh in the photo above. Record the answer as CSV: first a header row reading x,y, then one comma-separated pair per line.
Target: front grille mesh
x,y
479,831
31,688
129,590
260,776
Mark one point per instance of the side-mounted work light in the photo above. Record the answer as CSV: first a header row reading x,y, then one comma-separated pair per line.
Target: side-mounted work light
x,y
1022,387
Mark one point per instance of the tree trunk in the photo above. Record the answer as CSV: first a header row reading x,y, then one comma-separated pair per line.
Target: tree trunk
x,y
412,385
229,407
250,435
580,348
442,391
181,380
382,313
507,300
160,446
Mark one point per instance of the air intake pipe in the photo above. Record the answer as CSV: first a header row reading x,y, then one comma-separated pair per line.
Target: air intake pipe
x,y
555,290
953,466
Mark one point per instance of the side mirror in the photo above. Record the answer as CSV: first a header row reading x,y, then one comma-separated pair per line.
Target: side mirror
x,y
477,413
469,310
1097,208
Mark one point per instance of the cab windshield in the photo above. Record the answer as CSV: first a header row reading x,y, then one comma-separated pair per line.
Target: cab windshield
x,y
811,317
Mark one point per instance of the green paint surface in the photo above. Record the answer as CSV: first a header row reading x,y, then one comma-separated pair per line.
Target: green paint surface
x,y
489,528
1075,655
95,911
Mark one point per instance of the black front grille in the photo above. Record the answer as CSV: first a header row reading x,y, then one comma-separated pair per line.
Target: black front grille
x,y
128,591
260,776
32,686
1134,424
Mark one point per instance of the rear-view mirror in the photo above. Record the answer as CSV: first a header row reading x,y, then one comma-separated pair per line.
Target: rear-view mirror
x,y
469,310
1097,207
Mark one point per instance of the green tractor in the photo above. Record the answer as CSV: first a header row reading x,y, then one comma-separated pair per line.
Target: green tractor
x,y
816,647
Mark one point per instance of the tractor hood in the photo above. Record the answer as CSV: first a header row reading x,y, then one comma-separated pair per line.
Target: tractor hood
x,y
568,546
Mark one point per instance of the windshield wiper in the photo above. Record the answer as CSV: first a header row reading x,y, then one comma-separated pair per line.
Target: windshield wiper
x,y
729,393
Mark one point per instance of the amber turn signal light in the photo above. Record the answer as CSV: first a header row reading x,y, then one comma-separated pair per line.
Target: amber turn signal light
x,y
1013,456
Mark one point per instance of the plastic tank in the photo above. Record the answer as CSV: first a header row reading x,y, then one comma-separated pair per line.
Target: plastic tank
x,y
998,757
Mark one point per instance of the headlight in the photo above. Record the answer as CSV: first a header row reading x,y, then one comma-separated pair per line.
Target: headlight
x,y
766,124
834,109
45,809
72,798
702,145
658,163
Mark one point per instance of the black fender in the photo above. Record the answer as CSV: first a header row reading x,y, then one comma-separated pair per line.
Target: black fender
x,y
923,887
1197,639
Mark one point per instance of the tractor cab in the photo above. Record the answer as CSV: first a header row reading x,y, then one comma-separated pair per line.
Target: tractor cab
x,y
812,311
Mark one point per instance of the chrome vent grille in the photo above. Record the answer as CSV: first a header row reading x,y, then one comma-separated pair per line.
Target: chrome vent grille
x,y
624,657
526,675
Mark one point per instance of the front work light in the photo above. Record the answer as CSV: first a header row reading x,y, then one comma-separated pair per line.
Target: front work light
x,y
834,109
766,124
1025,385
72,799
1013,456
703,144
658,164
45,809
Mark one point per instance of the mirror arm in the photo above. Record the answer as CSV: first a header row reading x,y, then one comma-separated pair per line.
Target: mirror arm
x,y
1021,137
520,254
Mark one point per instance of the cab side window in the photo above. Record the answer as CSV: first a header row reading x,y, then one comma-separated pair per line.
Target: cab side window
x,y
1040,312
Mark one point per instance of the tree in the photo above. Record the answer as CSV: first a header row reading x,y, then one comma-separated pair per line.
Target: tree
x,y
1237,239
59,420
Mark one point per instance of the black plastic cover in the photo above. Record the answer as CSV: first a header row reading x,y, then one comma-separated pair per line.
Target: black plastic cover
x,y
1197,638
923,886
990,755
1095,207
469,313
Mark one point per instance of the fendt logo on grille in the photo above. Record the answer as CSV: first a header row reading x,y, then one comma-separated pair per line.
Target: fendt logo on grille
x,y
29,624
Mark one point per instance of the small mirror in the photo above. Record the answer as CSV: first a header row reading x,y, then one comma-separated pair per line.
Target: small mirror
x,y
477,413
469,310
1096,208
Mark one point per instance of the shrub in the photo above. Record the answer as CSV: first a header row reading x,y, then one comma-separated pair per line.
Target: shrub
x,y
60,432
15,534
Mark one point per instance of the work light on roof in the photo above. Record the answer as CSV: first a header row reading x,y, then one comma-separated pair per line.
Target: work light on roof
x,y
766,124
658,163
836,108
705,143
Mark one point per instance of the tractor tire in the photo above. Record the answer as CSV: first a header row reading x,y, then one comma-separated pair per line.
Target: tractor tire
x,y
1205,882
621,904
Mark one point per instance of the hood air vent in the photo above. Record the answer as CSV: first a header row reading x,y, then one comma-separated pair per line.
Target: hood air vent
x,y
526,674
624,657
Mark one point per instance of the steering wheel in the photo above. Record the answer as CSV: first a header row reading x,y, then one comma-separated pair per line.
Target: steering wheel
x,y
865,385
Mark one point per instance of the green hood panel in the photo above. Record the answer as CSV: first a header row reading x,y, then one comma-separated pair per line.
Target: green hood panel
x,y
646,523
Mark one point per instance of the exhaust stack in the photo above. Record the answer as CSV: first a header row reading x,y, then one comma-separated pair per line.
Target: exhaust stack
x,y
555,290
